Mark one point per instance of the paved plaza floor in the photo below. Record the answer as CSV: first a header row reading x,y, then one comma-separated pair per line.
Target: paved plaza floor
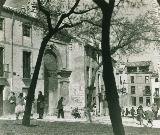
x,y
127,121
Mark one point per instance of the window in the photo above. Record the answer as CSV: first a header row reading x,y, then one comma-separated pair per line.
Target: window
x,y
120,79
26,64
98,83
146,79
156,91
156,79
93,55
133,101
143,68
1,23
148,101
92,70
147,90
131,69
132,79
140,100
133,90
1,61
26,30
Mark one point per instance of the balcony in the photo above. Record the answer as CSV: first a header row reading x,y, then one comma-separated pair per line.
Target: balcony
x,y
4,72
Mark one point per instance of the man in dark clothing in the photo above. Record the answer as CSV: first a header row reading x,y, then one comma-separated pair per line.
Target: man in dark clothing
x,y
155,110
60,108
132,112
40,105
140,113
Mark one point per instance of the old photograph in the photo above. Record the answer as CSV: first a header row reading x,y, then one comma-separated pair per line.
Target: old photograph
x,y
79,67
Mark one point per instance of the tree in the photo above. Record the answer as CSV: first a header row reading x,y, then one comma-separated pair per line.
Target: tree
x,y
53,27
126,36
108,75
2,3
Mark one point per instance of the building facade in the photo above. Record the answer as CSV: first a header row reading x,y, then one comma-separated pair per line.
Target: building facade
x,y
136,87
65,70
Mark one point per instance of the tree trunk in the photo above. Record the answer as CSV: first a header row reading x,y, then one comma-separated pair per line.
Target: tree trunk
x,y
31,91
108,75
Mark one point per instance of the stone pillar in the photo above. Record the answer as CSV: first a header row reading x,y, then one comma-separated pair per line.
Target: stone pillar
x,y
64,87
53,93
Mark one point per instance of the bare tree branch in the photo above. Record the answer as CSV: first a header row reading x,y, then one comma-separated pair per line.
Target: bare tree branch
x,y
91,22
119,3
66,25
85,11
101,3
47,14
63,16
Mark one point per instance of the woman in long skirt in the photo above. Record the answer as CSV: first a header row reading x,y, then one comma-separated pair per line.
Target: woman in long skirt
x,y
20,105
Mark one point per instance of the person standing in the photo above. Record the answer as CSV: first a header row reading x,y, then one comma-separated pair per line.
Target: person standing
x,y
127,112
40,105
155,110
12,102
60,108
122,111
132,112
140,114
19,105
149,117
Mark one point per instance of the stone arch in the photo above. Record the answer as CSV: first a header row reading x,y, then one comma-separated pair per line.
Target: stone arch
x,y
52,64
53,50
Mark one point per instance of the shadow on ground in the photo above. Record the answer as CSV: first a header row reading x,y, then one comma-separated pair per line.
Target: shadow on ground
x,y
67,128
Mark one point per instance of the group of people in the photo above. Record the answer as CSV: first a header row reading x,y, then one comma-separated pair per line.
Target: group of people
x,y
150,113
17,105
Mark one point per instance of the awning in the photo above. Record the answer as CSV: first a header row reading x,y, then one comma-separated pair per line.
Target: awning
x,y
3,81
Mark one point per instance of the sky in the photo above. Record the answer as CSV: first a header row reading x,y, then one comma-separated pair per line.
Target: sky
x,y
20,3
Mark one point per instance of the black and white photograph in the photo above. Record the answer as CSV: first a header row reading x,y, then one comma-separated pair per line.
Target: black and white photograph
x,y
79,67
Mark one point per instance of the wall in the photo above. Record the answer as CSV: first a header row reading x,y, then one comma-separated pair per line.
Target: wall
x,y
77,78
20,44
139,87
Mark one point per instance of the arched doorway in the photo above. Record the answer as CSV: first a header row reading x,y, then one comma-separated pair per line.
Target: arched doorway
x,y
50,81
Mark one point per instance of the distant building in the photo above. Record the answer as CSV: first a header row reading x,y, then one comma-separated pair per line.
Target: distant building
x,y
136,87
92,60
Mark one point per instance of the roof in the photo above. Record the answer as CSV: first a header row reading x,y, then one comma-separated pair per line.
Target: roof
x,y
16,3
16,11
138,63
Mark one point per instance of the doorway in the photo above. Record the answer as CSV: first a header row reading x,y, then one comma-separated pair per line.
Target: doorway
x,y
50,82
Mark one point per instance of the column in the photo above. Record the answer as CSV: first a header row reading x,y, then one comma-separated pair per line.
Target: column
x,y
64,86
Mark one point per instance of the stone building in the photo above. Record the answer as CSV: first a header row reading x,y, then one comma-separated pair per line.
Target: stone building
x,y
63,69
135,83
